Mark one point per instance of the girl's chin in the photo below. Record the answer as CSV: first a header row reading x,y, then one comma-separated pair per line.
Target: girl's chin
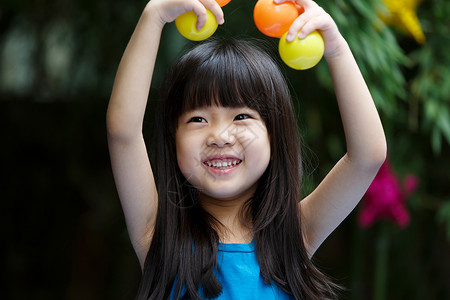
x,y
227,194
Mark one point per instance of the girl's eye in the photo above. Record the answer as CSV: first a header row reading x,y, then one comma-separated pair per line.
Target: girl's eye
x,y
241,117
197,120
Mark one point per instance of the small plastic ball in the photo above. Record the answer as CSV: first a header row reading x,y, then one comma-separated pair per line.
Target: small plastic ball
x,y
275,19
222,3
302,54
186,26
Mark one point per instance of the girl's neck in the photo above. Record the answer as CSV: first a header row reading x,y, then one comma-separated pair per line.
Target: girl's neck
x,y
234,226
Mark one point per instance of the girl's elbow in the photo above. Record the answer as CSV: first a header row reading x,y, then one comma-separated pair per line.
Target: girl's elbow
x,y
120,128
370,158
382,150
377,155
114,129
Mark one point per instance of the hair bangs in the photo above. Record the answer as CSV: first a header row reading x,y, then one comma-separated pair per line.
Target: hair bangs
x,y
225,76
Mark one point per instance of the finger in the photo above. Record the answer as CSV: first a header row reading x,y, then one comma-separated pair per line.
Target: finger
x,y
299,7
310,26
303,3
200,11
298,25
307,4
215,8
282,1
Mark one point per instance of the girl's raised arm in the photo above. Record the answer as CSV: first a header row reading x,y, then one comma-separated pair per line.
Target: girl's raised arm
x,y
337,195
131,167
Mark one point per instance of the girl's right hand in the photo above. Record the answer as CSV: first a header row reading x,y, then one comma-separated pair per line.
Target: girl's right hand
x,y
169,10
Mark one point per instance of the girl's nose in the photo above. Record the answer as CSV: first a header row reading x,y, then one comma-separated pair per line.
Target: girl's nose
x,y
224,137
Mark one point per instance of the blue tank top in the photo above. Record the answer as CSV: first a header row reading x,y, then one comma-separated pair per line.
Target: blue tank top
x,y
239,273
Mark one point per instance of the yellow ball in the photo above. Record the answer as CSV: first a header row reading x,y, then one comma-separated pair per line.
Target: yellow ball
x,y
302,54
186,26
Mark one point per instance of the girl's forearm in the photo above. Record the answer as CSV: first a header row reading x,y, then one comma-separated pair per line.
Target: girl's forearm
x,y
366,143
132,84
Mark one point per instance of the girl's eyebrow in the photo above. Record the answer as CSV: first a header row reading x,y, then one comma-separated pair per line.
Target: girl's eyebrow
x,y
233,110
248,110
193,111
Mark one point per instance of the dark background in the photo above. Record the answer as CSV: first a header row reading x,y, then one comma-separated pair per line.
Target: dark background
x,y
63,232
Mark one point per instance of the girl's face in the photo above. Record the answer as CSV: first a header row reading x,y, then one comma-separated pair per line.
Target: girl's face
x,y
223,151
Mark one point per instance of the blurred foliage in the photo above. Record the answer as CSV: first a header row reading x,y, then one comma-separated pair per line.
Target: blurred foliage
x,y
431,85
63,233
375,46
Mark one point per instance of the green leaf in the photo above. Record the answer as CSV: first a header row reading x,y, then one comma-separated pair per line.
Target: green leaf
x,y
443,216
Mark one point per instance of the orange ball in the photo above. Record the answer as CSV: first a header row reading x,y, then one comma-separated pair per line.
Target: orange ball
x,y
222,3
275,19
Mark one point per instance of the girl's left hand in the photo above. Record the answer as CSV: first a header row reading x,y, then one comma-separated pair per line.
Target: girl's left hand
x,y
316,18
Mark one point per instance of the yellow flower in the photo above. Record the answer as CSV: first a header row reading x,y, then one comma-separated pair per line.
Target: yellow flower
x,y
402,14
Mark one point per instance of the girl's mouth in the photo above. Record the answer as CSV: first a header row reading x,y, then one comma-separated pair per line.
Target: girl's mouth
x,y
222,164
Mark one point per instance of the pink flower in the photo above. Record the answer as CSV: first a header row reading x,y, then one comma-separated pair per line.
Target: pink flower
x,y
386,198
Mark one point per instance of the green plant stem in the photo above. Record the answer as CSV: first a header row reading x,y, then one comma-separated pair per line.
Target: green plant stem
x,y
357,263
381,263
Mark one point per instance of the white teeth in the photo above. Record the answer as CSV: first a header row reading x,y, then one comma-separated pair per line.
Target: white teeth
x,y
222,164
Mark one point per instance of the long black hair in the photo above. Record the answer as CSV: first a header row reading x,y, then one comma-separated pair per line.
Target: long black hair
x,y
183,251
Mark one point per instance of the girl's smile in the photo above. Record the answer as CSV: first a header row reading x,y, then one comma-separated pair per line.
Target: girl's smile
x,y
222,164
222,151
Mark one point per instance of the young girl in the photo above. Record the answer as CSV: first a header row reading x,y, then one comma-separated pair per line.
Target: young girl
x,y
223,217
